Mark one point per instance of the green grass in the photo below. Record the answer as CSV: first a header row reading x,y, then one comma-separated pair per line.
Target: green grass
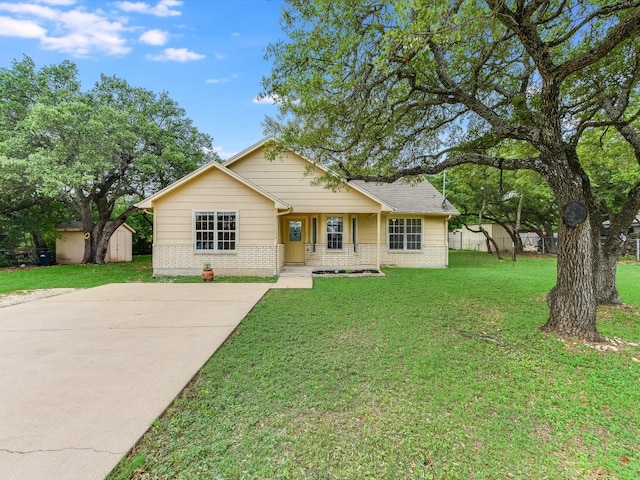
x,y
428,374
85,276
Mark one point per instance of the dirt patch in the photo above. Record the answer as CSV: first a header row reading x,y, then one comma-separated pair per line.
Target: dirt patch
x,y
23,296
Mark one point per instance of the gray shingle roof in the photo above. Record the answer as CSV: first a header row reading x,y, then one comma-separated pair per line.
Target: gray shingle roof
x,y
409,197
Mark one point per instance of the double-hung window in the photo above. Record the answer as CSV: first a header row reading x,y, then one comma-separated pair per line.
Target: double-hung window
x,y
215,231
335,233
405,234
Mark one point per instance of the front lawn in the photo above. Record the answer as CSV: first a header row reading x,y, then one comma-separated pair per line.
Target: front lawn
x,y
85,276
428,374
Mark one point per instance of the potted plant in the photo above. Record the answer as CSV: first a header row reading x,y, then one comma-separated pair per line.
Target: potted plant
x,y
207,273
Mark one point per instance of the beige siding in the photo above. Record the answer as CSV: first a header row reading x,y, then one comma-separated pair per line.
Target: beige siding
x,y
287,178
434,231
214,191
367,229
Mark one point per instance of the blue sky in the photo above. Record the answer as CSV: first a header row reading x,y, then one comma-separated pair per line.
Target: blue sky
x,y
207,54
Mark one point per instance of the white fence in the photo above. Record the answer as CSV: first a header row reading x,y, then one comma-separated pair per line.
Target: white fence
x,y
460,239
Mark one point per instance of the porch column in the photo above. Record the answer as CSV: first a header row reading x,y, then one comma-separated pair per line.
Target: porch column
x,y
276,221
446,240
378,241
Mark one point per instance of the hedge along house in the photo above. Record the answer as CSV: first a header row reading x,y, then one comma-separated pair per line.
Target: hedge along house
x,y
252,216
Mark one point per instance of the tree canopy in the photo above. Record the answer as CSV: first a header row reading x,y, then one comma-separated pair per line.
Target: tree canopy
x,y
97,151
381,90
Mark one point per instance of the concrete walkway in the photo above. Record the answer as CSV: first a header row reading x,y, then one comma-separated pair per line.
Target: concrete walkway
x,y
83,375
295,277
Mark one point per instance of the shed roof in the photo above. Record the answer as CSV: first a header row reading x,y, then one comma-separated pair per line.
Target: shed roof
x,y
407,197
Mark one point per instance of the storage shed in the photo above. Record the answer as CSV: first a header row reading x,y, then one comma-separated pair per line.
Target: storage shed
x,y
70,244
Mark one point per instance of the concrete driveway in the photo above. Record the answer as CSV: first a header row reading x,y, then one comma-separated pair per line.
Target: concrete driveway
x,y
83,375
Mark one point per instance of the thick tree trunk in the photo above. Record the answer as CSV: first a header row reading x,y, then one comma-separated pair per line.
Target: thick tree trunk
x,y
572,301
87,228
606,265
572,305
98,233
95,247
102,244
605,270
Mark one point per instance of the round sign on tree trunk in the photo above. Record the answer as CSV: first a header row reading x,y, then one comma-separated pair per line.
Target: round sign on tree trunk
x,y
574,214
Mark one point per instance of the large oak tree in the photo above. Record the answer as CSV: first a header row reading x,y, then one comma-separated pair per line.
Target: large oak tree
x,y
381,90
99,151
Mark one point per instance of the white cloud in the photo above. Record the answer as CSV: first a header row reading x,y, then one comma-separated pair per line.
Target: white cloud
x,y
30,9
177,55
82,29
61,3
154,37
77,31
10,27
223,79
267,100
87,33
219,56
161,9
224,154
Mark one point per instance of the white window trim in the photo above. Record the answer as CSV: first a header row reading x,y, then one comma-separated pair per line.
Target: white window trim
x,y
328,249
404,248
215,250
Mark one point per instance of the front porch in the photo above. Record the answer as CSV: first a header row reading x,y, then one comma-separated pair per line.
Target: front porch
x,y
326,241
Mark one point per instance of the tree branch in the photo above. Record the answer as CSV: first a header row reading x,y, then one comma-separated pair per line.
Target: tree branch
x,y
533,163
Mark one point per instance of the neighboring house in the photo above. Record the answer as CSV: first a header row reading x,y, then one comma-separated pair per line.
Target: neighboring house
x,y
634,228
252,216
70,244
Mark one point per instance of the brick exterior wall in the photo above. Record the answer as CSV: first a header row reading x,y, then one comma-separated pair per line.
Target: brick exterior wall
x,y
267,261
430,256
254,260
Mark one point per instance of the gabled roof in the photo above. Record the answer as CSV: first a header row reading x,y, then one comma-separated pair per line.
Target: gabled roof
x,y
248,150
213,165
406,197
399,196
385,207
